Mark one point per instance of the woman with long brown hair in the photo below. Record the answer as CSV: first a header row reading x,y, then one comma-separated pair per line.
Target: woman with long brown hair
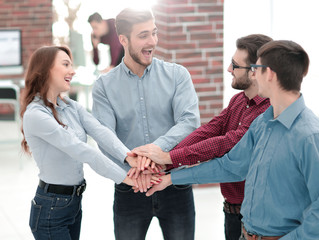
x,y
55,131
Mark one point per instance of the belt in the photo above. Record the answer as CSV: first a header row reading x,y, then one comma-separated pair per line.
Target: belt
x,y
62,189
232,208
250,236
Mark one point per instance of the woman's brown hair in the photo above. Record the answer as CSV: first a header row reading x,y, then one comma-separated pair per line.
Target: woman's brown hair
x,y
37,81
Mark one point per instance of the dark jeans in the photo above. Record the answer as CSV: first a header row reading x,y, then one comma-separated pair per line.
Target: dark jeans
x,y
232,226
174,208
55,216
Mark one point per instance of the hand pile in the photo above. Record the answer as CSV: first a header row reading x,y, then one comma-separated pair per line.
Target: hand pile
x,y
148,169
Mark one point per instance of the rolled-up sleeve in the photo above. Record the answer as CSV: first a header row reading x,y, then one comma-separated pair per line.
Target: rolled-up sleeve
x,y
185,110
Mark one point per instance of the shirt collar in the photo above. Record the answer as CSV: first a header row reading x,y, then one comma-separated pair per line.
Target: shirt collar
x,y
60,102
258,100
130,73
288,116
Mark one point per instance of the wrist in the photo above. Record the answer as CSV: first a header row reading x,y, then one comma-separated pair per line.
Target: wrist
x,y
126,160
127,181
167,158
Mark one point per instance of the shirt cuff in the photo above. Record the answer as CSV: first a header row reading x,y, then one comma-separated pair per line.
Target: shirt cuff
x,y
181,177
176,161
123,155
164,145
119,178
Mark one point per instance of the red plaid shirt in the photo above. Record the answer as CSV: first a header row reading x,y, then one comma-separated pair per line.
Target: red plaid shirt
x,y
217,137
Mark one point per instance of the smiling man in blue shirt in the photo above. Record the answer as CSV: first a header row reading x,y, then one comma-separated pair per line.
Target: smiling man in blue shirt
x,y
282,151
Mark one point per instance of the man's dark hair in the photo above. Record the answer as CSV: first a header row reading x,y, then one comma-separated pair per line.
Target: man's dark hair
x,y
288,60
95,17
251,44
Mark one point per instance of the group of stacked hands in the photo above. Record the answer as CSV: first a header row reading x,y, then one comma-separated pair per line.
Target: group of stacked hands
x,y
148,164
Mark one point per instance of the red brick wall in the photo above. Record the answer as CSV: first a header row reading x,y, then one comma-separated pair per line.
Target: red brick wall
x,y
34,18
191,34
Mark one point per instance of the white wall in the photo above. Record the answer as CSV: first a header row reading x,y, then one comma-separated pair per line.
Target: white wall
x,y
280,19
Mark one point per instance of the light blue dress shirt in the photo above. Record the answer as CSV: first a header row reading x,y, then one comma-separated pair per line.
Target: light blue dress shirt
x,y
280,160
161,107
61,151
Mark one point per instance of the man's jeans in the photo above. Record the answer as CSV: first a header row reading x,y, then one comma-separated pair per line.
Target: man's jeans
x,y
55,216
174,208
232,226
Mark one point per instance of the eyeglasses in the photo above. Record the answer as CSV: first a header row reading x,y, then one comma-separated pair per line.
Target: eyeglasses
x,y
255,66
236,66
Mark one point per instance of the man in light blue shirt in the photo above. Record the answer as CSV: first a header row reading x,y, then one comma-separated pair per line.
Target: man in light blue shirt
x,y
278,156
147,101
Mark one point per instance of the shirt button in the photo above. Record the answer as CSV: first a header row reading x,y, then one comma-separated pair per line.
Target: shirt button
x,y
141,98
146,135
239,123
247,106
144,117
198,161
180,164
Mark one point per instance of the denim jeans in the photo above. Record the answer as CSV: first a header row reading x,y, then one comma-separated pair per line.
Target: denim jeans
x,y
232,226
174,208
55,216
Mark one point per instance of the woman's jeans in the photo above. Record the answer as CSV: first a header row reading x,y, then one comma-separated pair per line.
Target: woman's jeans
x,y
55,216
174,208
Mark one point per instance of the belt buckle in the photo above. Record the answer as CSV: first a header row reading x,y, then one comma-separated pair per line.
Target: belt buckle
x,y
80,189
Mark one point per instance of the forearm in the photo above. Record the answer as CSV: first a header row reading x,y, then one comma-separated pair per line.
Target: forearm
x,y
217,145
178,132
96,59
203,151
207,172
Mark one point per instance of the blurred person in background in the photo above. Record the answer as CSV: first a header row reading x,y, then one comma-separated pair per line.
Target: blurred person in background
x,y
104,32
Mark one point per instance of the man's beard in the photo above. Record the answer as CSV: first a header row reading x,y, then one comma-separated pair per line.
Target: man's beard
x,y
134,56
242,83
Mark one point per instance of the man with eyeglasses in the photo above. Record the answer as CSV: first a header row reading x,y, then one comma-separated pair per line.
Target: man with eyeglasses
x,y
278,156
217,137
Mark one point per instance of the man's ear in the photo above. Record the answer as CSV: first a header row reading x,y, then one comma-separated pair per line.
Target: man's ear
x,y
123,40
271,74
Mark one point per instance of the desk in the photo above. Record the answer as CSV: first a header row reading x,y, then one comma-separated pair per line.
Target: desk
x,y
10,94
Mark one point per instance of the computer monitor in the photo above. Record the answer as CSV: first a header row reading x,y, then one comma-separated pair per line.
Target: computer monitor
x,y
10,52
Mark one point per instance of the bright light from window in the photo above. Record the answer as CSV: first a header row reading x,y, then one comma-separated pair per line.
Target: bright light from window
x,y
109,9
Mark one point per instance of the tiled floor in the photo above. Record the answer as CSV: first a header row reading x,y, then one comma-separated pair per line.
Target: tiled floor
x,y
18,181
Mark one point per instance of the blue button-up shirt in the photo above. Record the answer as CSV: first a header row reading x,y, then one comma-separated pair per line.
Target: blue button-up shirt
x,y
61,151
161,107
280,160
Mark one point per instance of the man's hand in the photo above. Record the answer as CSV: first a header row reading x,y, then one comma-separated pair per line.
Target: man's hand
x,y
166,181
144,181
144,163
131,160
151,152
